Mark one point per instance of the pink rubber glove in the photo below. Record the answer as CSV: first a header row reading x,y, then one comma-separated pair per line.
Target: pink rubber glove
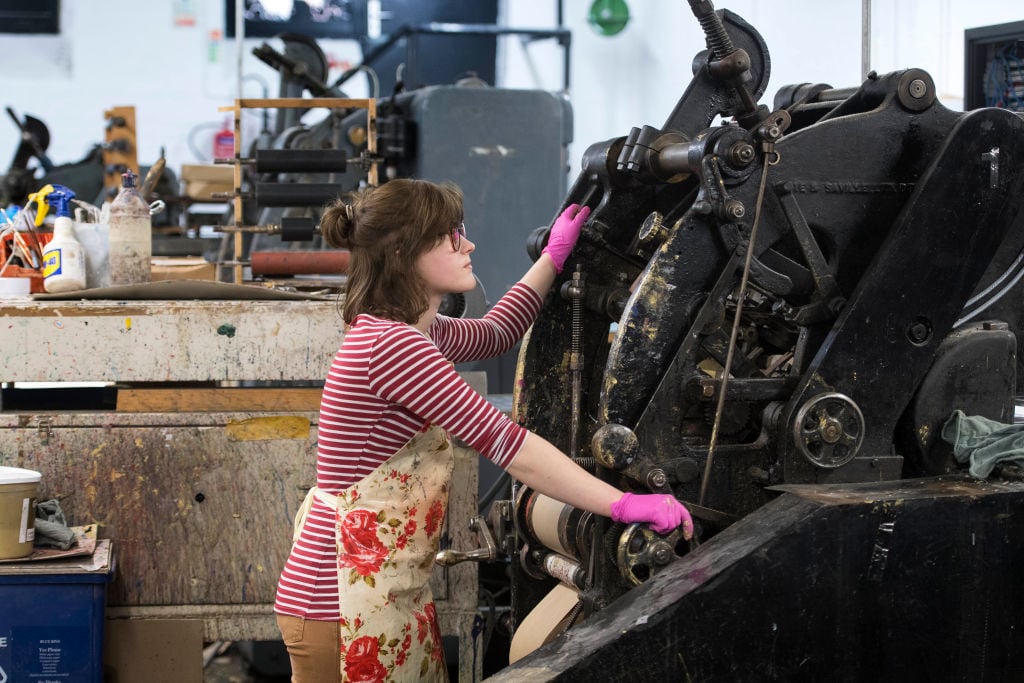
x,y
564,234
662,511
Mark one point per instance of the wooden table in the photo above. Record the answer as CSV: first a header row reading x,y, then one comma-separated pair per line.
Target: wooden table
x,y
197,475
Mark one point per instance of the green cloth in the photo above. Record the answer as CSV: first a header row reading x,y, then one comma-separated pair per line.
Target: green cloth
x,y
983,442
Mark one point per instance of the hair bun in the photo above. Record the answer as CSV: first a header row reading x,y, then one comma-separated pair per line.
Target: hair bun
x,y
337,224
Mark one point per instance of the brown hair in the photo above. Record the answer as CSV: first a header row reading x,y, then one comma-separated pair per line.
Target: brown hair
x,y
386,228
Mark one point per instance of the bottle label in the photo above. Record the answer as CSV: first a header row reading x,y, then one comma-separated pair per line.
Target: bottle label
x,y
224,145
52,263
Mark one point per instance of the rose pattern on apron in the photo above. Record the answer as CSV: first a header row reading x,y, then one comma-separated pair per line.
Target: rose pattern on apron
x,y
387,529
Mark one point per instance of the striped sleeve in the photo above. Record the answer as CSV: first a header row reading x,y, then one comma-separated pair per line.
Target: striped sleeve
x,y
463,340
408,369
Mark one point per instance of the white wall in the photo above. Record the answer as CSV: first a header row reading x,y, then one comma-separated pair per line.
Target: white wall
x,y
116,52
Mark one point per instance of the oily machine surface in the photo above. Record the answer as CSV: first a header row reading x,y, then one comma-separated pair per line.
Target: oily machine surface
x,y
771,314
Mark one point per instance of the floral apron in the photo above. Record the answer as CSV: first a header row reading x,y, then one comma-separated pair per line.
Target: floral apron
x,y
387,529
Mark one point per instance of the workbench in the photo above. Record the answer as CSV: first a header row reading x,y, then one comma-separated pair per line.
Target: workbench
x,y
196,482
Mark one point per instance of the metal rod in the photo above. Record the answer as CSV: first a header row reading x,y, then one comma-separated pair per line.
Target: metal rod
x,y
720,407
576,294
239,44
865,38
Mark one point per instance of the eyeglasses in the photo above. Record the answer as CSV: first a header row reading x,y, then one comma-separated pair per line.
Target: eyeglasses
x,y
456,235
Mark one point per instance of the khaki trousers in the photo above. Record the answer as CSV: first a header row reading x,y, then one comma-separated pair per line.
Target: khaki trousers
x,y
312,648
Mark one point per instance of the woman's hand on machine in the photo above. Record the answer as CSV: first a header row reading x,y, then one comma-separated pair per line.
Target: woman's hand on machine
x,y
564,234
662,511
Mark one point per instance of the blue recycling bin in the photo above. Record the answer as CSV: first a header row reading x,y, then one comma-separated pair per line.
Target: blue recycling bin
x,y
52,619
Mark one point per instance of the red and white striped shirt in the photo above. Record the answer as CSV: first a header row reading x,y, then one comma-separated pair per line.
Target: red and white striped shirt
x,y
388,380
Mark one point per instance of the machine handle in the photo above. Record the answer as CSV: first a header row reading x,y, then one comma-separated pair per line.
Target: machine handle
x,y
448,557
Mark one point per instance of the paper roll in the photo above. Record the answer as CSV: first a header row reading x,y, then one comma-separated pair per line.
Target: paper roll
x,y
546,517
544,622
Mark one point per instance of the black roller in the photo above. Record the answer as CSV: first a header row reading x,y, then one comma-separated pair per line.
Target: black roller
x,y
300,160
296,194
297,229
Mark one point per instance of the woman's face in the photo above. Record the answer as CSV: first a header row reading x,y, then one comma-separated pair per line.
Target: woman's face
x,y
445,268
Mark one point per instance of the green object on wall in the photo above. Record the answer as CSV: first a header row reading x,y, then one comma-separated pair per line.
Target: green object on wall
x,y
608,17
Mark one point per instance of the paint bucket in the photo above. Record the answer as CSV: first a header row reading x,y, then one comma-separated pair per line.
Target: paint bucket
x,y
15,288
18,491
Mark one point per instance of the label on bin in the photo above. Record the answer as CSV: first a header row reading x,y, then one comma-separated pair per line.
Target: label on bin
x,y
27,530
45,654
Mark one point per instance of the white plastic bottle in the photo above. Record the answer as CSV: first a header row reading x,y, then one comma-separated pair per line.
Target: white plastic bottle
x,y
131,236
63,256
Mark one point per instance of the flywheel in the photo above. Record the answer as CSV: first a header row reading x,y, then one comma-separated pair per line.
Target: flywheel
x,y
828,430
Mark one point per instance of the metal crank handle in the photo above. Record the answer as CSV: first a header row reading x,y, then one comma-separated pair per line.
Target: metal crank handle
x,y
448,557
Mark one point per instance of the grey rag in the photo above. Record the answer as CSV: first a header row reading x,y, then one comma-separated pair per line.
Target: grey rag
x,y
983,442
51,528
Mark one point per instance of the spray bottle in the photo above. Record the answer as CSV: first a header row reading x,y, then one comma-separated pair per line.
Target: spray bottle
x,y
63,256
224,142
39,199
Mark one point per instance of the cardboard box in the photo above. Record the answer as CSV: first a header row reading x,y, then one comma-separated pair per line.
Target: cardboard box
x,y
154,650
183,268
201,181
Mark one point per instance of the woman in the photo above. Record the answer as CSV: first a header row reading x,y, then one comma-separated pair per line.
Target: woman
x,y
353,601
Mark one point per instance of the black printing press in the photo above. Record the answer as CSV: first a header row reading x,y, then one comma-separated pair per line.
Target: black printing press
x,y
771,314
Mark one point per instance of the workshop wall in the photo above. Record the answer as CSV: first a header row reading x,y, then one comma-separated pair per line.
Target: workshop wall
x,y
636,77
166,59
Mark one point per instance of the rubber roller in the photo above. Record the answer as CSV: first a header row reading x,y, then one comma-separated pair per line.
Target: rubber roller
x,y
298,229
299,262
300,160
297,194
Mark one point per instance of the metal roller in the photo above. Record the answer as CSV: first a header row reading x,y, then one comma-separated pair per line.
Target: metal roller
x,y
300,160
296,194
566,570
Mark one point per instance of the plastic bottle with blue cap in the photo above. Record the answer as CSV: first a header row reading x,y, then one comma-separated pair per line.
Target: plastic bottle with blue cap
x,y
63,256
